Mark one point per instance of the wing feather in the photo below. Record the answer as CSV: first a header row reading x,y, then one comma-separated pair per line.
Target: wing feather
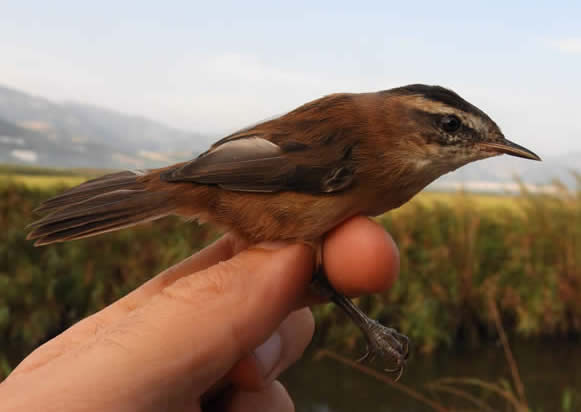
x,y
256,164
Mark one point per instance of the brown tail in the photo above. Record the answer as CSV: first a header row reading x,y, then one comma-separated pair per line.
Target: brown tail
x,y
101,205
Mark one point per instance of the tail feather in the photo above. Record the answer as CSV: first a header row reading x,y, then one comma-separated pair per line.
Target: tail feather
x,y
102,205
94,228
105,184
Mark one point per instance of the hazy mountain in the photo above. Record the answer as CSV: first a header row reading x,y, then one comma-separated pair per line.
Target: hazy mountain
x,y
36,130
21,145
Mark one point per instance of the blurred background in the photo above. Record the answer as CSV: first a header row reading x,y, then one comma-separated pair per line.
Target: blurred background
x,y
490,284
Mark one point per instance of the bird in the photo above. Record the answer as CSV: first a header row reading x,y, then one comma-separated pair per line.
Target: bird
x,y
296,177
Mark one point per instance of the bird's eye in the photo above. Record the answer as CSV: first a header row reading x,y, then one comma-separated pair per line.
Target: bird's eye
x,y
450,123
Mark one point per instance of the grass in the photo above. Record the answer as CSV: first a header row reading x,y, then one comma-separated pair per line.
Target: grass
x,y
41,182
8,169
481,200
45,178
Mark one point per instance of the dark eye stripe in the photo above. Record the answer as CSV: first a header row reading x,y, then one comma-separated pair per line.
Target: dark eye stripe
x,y
435,134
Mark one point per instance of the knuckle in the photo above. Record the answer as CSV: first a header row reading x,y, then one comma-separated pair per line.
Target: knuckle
x,y
95,325
220,278
119,338
212,283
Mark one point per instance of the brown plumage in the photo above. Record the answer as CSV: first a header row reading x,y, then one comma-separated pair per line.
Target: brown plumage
x,y
297,176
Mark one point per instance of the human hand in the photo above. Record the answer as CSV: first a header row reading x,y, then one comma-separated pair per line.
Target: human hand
x,y
221,325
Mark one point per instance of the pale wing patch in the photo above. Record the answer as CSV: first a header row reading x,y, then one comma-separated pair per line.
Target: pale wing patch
x,y
245,164
247,148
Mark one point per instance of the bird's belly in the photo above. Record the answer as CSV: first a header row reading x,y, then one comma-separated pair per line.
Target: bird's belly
x,y
280,216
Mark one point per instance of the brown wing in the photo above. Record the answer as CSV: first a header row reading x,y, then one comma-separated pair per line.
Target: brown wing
x,y
254,163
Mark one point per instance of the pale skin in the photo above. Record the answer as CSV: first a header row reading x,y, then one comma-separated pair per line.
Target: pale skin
x,y
221,325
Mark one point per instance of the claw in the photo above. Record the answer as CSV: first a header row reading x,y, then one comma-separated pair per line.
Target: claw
x,y
387,343
399,370
367,357
401,358
406,346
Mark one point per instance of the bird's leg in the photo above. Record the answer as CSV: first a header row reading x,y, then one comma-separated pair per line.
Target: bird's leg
x,y
382,341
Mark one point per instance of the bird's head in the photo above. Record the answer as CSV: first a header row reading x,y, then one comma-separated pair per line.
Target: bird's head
x,y
444,131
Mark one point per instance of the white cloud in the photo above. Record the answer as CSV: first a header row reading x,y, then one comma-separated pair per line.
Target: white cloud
x,y
24,155
571,45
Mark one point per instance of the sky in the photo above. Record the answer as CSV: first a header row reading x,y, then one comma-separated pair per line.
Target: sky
x,y
214,67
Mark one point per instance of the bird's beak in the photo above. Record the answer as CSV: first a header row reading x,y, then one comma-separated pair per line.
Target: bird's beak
x,y
510,148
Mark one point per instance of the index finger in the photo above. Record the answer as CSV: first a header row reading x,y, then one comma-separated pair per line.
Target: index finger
x,y
223,249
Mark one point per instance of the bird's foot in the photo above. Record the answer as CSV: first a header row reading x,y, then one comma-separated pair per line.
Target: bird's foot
x,y
386,343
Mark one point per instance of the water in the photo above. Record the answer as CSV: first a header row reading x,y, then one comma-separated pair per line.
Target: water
x,y
550,371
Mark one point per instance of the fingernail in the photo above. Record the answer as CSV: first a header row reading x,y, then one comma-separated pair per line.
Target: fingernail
x,y
272,245
268,354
